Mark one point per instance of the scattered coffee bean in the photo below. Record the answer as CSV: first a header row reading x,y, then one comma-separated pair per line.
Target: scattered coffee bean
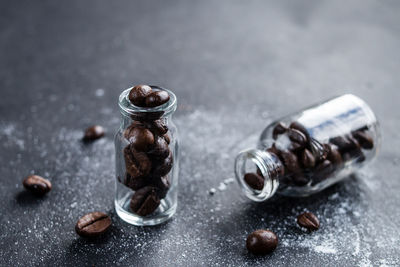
x,y
278,129
145,201
254,180
364,139
93,133
307,159
93,224
261,242
37,184
157,98
138,95
308,220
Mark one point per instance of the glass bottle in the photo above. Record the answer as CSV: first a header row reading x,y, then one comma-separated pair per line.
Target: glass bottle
x,y
146,175
305,152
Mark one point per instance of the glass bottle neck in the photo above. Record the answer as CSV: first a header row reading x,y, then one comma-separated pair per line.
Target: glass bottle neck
x,y
260,165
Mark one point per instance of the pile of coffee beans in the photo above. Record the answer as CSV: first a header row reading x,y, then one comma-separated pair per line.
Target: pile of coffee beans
x,y
148,158
306,161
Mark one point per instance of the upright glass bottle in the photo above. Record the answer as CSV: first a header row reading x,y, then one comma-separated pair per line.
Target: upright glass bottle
x,y
307,151
146,147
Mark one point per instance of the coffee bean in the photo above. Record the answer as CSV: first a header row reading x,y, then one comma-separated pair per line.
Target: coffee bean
x,y
37,184
308,220
254,180
145,201
261,242
135,183
333,155
138,95
344,143
364,139
300,179
93,133
93,224
298,126
273,150
278,129
160,149
142,139
318,150
162,184
137,163
163,167
157,98
290,162
158,127
167,138
307,159
322,171
297,137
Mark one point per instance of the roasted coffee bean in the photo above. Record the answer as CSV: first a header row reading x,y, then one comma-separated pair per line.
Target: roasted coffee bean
x,y
298,126
273,150
145,201
307,159
300,179
297,137
308,220
333,155
138,95
93,224
157,98
278,129
254,180
160,149
167,138
135,183
364,139
162,184
137,163
37,184
322,171
318,150
290,162
261,242
158,127
345,143
142,139
93,133
162,167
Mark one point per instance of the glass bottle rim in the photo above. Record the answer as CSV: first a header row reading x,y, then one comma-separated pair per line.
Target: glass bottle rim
x,y
127,108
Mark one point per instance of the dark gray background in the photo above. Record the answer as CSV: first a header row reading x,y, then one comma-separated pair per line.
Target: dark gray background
x,y
235,66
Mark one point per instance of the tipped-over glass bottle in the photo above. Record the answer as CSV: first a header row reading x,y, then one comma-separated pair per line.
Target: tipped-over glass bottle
x,y
305,152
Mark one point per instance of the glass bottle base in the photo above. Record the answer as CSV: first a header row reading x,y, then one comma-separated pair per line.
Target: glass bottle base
x,y
164,212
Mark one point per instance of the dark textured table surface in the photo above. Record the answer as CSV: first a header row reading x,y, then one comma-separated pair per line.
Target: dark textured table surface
x,y
235,66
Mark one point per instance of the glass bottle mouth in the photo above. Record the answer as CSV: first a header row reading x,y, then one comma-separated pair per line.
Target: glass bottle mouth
x,y
252,161
147,113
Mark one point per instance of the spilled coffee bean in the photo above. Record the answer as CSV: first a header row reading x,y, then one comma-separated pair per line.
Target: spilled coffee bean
x,y
308,220
261,242
94,132
37,184
93,224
